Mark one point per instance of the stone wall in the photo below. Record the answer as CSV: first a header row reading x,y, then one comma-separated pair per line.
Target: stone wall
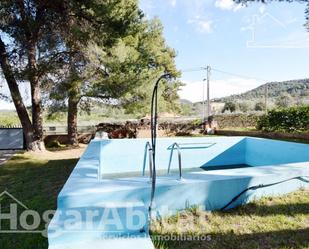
x,y
134,129
141,128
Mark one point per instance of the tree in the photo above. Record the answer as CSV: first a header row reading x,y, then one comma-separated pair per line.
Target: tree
x,y
259,106
29,39
229,106
42,38
16,97
85,67
116,19
284,100
244,106
121,72
154,58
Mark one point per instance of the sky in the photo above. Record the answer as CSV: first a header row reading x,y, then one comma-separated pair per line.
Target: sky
x,y
256,44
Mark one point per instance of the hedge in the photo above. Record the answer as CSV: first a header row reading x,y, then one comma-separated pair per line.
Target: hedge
x,y
293,119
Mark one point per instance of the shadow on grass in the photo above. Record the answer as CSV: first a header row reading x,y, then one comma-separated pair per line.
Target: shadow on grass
x,y
278,222
275,239
36,183
289,209
28,178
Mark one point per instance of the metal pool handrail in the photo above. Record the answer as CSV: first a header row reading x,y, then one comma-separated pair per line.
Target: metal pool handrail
x,y
148,147
179,159
100,161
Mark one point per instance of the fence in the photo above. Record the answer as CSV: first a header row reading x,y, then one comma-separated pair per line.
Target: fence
x,y
62,130
11,138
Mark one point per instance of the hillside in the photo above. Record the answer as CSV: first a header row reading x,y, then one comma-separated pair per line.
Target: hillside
x,y
296,88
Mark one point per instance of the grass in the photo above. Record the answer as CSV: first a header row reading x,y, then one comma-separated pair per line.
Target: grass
x,y
281,222
36,183
239,129
8,118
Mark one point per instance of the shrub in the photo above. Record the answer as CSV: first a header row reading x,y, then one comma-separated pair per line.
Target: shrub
x,y
284,100
229,106
244,106
293,119
259,106
54,144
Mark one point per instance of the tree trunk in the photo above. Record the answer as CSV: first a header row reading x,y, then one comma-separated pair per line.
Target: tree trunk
x,y
72,120
31,143
36,101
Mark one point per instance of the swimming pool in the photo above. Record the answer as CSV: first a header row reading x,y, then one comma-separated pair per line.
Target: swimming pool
x,y
109,176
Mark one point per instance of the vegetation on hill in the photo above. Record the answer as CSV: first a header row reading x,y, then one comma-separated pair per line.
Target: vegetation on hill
x,y
9,118
295,88
280,95
98,114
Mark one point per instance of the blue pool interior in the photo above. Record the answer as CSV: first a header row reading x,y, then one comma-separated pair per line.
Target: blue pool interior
x,y
215,169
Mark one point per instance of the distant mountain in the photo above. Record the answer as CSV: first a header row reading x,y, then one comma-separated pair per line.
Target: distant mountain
x,y
185,101
296,88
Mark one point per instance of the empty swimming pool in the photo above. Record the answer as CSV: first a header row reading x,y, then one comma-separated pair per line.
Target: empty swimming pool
x,y
214,170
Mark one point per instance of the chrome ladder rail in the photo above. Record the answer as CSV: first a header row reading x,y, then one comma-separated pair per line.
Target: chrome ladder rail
x,y
148,147
179,159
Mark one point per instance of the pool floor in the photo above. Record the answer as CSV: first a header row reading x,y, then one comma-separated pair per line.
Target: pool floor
x,y
162,172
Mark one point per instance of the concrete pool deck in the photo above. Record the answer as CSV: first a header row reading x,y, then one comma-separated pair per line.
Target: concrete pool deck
x,y
270,161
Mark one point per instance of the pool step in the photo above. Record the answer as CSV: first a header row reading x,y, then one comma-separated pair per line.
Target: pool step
x,y
127,243
101,223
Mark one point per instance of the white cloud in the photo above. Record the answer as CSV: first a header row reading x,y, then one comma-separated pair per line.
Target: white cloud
x,y
224,4
193,90
262,9
173,3
24,89
202,25
228,5
238,7
6,105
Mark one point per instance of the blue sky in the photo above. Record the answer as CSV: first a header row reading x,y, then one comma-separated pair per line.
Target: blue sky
x,y
265,42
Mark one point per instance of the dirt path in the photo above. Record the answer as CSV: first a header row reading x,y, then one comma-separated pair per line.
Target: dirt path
x,y
5,155
61,154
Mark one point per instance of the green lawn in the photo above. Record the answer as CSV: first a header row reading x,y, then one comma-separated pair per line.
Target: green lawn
x,y
281,222
36,184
